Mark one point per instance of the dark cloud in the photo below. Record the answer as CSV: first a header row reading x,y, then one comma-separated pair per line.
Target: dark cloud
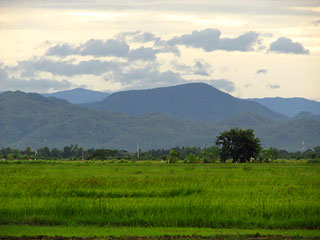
x,y
93,47
99,48
261,71
150,74
31,85
316,23
138,36
115,48
159,45
286,45
3,74
200,67
142,53
209,40
145,76
62,50
223,84
64,68
163,47
273,86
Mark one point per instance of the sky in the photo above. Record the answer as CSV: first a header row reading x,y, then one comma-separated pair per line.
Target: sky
x,y
247,48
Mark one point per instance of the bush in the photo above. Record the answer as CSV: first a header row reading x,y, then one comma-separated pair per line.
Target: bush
x,y
314,160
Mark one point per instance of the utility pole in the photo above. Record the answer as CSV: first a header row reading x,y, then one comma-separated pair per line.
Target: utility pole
x,y
303,147
82,153
138,149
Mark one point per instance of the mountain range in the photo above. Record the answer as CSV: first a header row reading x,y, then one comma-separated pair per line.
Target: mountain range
x,y
78,95
290,106
29,119
194,101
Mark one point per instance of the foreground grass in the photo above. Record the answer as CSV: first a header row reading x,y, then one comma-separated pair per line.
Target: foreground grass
x,y
94,231
160,196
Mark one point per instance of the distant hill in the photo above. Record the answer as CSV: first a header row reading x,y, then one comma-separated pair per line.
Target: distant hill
x,y
307,115
290,135
78,95
289,106
195,101
29,119
286,135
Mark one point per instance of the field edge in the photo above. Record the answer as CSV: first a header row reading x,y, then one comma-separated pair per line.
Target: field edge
x,y
96,231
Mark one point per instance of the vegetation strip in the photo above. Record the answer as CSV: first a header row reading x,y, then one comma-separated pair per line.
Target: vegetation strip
x,y
95,231
241,196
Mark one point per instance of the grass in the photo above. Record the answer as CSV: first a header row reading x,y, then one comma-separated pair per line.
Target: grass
x,y
64,195
94,231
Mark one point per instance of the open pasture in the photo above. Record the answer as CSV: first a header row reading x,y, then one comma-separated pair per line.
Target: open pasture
x,y
220,196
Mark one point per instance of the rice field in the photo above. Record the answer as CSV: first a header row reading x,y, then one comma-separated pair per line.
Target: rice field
x,y
155,195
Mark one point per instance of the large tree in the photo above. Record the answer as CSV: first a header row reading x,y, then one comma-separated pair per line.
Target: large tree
x,y
238,144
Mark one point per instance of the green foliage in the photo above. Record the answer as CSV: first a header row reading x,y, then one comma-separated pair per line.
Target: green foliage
x,y
191,158
103,154
240,145
173,156
313,161
268,155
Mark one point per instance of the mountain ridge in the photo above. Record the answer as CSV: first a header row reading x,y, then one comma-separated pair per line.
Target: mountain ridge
x,y
29,119
78,95
193,101
289,106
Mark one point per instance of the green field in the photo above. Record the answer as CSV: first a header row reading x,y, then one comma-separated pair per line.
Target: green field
x,y
277,197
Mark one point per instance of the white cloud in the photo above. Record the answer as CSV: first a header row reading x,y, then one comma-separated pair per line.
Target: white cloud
x,y
33,66
273,86
223,84
31,85
261,71
286,45
209,40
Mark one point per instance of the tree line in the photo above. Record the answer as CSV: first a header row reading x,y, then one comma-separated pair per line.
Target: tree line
x,y
236,144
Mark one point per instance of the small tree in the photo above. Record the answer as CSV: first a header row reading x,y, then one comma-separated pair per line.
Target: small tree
x,y
28,151
103,154
191,158
238,144
268,155
173,156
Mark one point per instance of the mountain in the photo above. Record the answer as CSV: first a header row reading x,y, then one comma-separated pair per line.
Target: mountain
x,y
307,115
286,135
290,135
195,101
29,119
289,106
78,95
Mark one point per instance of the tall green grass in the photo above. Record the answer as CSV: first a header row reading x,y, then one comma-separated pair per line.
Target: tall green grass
x,y
160,195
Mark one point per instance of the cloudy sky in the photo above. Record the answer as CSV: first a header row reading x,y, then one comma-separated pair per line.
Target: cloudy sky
x,y
248,48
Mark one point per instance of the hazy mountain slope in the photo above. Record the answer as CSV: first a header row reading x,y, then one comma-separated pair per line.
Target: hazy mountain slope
x,y
283,135
78,95
307,115
290,135
36,121
195,101
289,106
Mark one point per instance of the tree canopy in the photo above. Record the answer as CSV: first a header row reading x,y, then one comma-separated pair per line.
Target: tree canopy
x,y
238,144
